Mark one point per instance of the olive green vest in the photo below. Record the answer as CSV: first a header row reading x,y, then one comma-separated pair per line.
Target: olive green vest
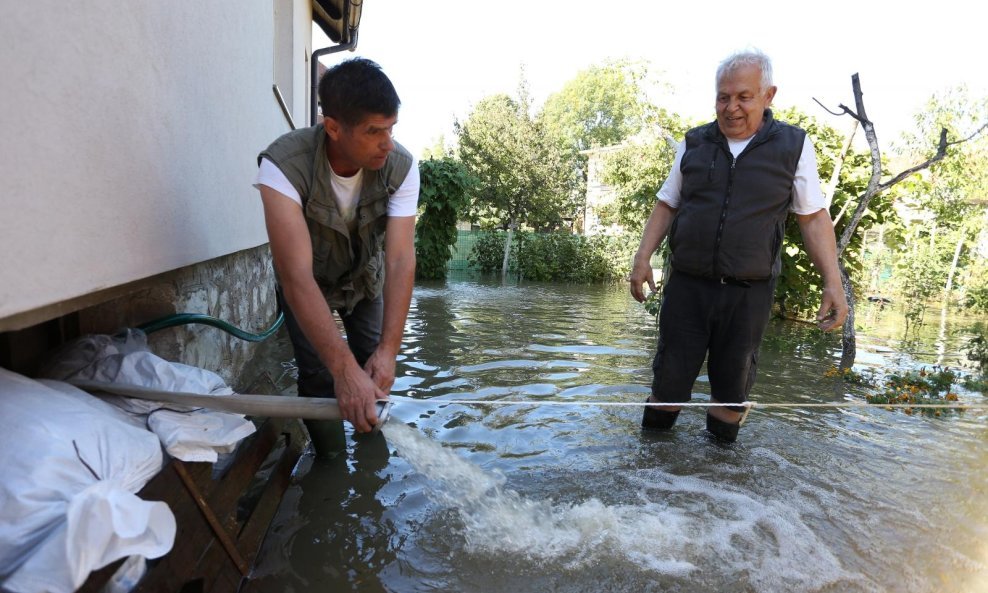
x,y
347,267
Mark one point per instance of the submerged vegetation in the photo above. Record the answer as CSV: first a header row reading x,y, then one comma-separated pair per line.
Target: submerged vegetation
x,y
904,389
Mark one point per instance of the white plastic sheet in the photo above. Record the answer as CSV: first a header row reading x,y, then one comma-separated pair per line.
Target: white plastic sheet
x,y
71,465
186,433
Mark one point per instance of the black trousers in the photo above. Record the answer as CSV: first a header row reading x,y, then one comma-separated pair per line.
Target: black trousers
x,y
708,318
363,334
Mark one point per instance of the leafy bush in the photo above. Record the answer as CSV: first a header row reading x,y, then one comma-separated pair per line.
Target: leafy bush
x,y
557,257
918,277
563,257
487,253
976,294
443,195
977,350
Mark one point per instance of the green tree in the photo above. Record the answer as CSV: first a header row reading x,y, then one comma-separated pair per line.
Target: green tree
x,y
604,105
444,195
951,194
919,274
637,171
438,150
601,106
523,176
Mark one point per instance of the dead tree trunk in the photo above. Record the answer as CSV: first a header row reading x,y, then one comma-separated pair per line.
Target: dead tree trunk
x,y
953,267
874,187
507,247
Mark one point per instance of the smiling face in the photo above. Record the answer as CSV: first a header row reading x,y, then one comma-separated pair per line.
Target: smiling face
x,y
741,102
363,146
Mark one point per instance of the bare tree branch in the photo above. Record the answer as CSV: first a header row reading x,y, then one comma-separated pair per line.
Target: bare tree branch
x,y
876,167
824,107
941,152
975,133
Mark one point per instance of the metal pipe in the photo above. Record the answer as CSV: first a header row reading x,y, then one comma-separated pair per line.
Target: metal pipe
x,y
284,106
314,65
268,406
314,74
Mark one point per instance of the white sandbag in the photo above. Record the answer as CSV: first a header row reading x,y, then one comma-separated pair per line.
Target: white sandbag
x,y
71,465
188,434
201,435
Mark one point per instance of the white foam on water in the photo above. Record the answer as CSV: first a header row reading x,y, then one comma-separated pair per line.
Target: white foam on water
x,y
679,526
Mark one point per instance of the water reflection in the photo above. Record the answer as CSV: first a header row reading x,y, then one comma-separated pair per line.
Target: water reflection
x,y
333,531
528,498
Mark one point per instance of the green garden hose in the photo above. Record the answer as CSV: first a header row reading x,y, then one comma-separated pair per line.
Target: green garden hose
x,y
186,318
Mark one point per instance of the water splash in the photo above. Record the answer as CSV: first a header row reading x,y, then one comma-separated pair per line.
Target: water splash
x,y
679,526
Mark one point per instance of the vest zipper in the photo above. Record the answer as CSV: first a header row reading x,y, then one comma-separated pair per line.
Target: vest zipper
x,y
723,215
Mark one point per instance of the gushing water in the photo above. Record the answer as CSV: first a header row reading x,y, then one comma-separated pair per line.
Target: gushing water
x,y
676,524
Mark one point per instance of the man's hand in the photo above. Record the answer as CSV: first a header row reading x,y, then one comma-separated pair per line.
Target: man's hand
x,y
833,309
655,231
381,369
356,395
641,273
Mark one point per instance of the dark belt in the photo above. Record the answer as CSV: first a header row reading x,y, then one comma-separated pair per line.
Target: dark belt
x,y
722,279
735,282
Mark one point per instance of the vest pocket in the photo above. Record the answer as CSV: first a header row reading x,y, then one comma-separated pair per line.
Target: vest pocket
x,y
374,279
330,257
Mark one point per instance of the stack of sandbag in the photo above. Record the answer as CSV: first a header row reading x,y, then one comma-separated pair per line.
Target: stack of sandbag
x,y
71,465
188,434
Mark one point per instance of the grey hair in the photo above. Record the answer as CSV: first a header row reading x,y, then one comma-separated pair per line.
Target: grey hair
x,y
747,57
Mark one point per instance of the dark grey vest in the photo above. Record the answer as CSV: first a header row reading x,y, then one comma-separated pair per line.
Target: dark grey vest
x,y
347,267
732,216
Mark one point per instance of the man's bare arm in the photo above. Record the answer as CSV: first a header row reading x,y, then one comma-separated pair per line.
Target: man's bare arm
x,y
291,250
818,237
399,265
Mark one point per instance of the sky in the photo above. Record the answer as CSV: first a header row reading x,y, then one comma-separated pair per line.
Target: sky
x,y
444,56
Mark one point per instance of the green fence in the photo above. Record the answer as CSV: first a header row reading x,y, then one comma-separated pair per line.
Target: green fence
x,y
464,243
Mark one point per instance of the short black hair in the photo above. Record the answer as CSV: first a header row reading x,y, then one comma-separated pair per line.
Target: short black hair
x,y
354,89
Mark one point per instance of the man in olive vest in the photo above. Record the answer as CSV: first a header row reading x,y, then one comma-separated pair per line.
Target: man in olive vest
x,y
339,204
724,208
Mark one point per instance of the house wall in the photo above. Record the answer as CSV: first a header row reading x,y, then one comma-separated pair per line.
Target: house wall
x,y
130,133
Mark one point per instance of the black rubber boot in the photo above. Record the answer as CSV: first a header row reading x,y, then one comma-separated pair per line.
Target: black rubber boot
x,y
723,431
328,437
655,419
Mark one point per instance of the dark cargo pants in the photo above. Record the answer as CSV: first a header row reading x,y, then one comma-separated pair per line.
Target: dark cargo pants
x,y
363,334
723,321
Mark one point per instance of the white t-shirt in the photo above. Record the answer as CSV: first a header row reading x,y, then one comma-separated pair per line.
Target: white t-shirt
x,y
404,202
807,195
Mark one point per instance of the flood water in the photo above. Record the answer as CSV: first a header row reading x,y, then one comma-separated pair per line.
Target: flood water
x,y
470,498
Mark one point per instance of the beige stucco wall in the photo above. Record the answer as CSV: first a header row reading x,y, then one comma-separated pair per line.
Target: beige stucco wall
x,y
129,133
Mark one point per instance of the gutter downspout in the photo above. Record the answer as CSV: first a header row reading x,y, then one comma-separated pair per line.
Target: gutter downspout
x,y
314,65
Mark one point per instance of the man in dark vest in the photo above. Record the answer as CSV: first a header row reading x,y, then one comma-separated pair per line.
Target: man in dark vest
x,y
339,204
724,208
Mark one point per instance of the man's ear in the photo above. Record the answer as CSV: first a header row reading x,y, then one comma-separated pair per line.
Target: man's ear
x,y
332,128
770,94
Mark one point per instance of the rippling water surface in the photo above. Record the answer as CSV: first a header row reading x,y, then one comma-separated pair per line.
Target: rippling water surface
x,y
455,497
